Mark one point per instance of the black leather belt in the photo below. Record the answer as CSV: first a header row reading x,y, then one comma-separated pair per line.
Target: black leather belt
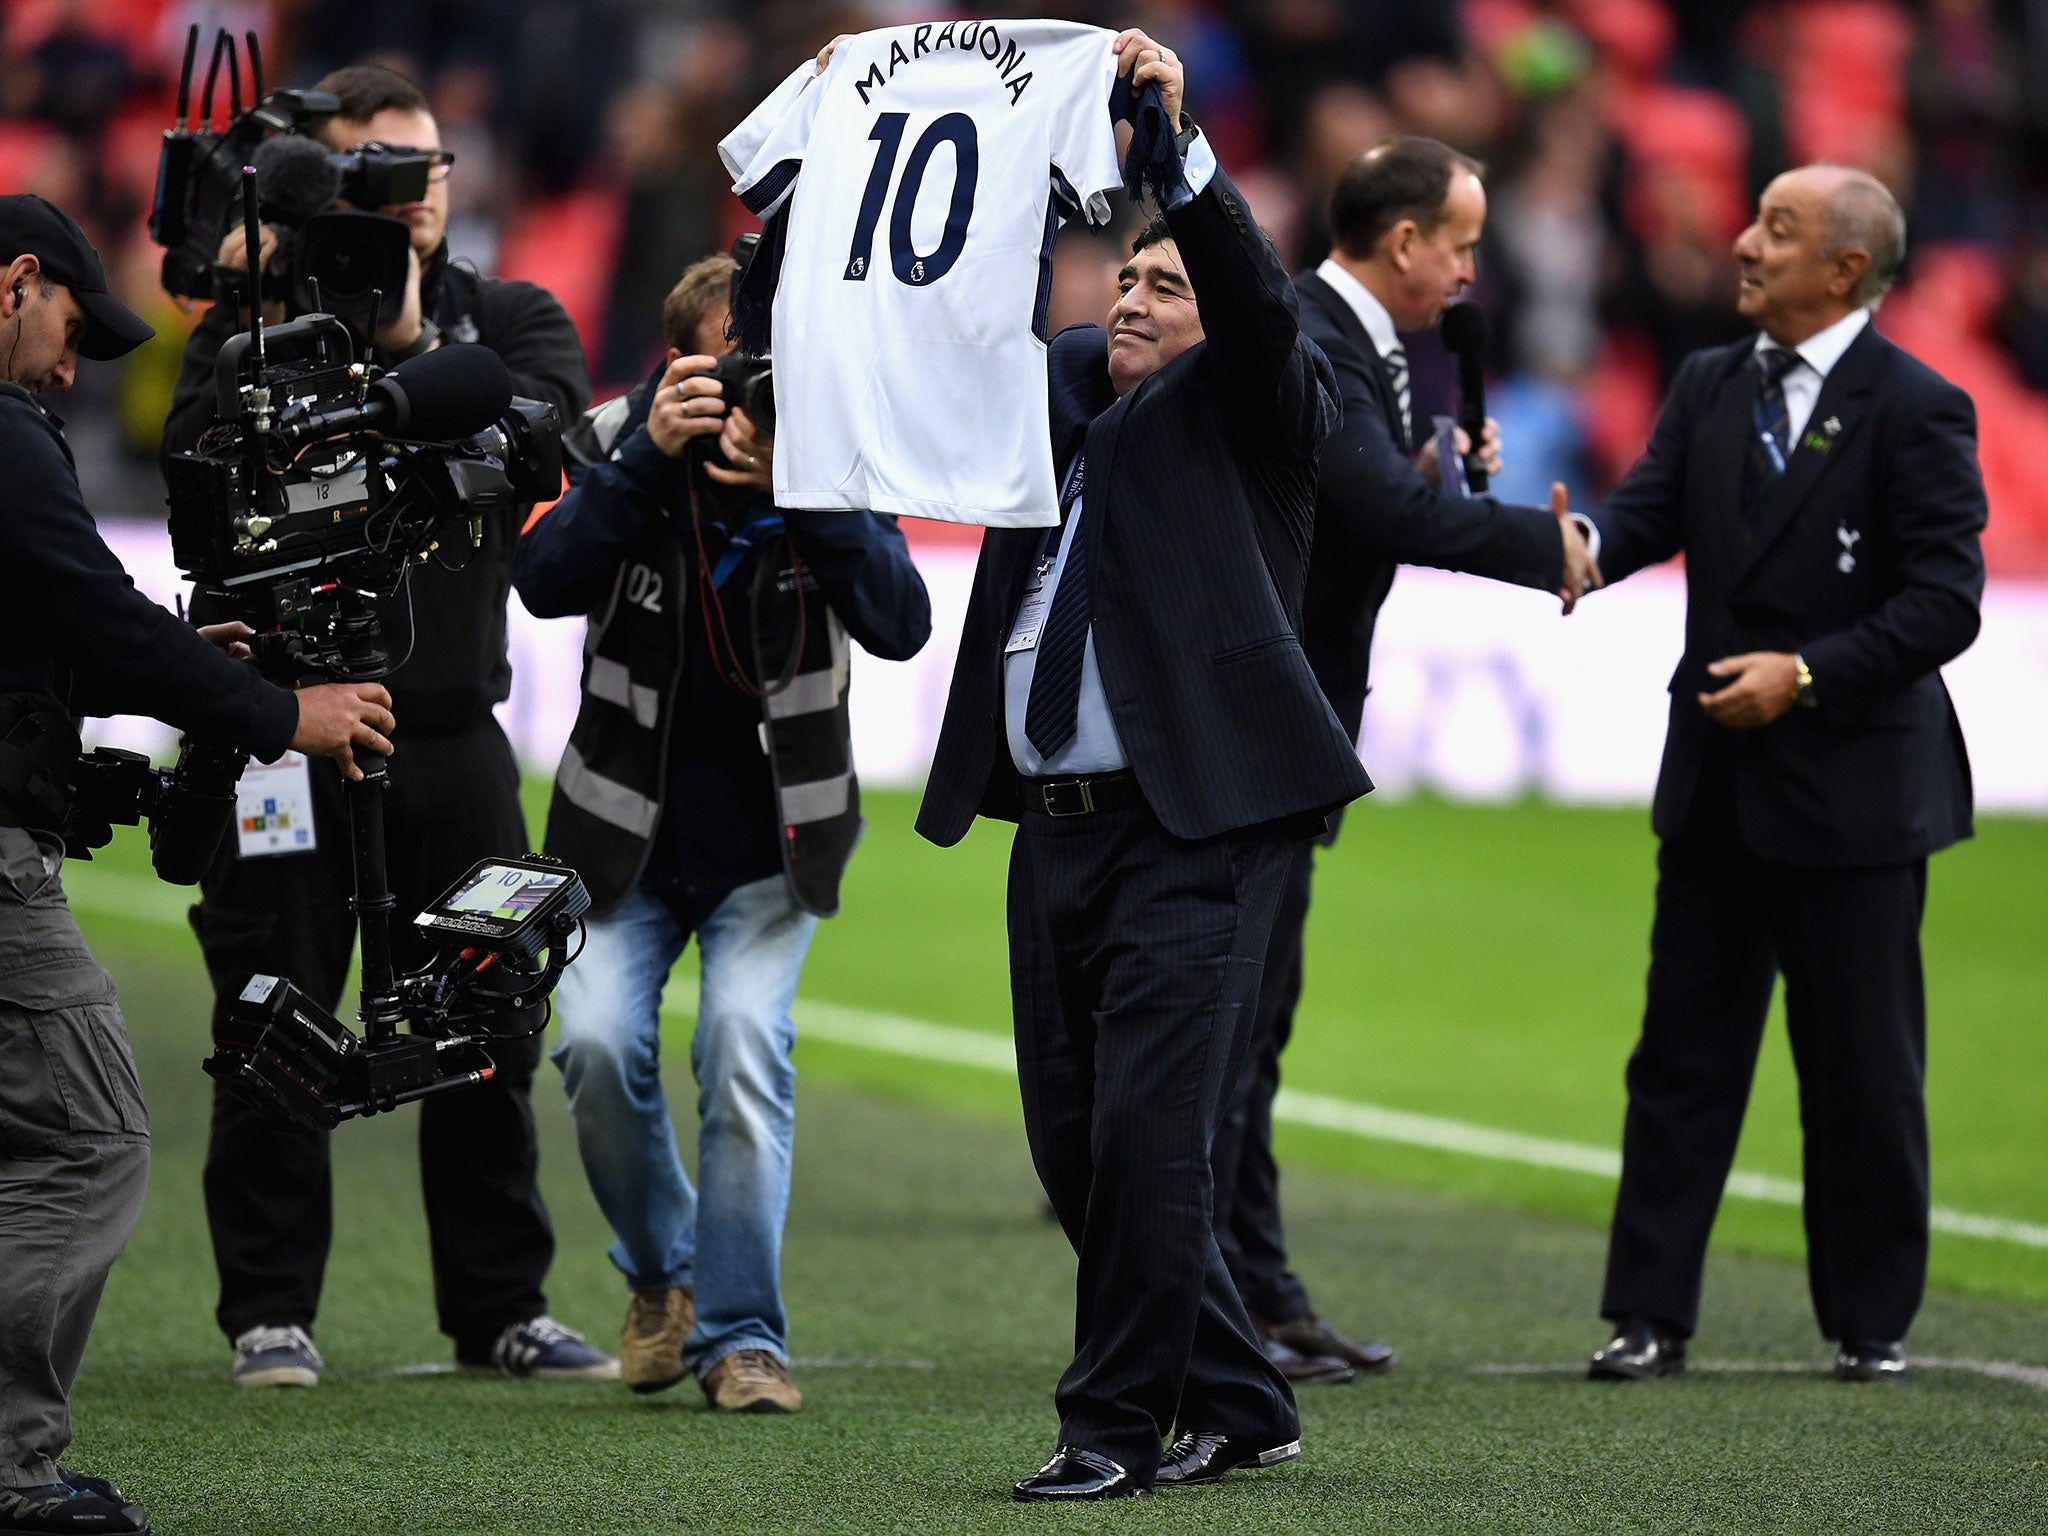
x,y
1078,797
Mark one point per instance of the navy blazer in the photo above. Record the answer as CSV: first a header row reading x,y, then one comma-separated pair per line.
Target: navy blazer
x,y
1200,503
1375,512
1864,558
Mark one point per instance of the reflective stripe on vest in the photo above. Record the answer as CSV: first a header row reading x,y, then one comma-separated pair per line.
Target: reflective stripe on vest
x,y
606,799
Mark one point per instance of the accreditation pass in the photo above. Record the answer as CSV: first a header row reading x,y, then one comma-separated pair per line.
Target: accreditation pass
x,y
274,808
1031,611
1030,621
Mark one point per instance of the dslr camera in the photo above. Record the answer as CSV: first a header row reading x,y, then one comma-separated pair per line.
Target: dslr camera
x,y
747,380
328,259
748,377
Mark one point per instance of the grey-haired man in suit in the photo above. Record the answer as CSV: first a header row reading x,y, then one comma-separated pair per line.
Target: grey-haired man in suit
x,y
1823,487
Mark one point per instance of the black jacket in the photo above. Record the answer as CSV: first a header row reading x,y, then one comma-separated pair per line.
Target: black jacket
x,y
1864,558
1375,512
73,628
1200,506
458,670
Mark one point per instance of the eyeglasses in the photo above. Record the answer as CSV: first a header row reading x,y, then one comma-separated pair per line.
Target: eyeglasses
x,y
439,161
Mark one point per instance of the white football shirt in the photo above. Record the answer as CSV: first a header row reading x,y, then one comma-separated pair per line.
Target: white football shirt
x,y
928,170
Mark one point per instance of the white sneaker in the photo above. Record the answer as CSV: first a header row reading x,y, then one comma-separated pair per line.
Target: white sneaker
x,y
277,1357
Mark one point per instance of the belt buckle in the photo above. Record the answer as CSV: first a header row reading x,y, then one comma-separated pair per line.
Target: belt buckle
x,y
1084,796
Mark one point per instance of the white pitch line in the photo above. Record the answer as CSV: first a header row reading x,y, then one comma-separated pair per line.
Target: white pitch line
x,y
898,1036
140,899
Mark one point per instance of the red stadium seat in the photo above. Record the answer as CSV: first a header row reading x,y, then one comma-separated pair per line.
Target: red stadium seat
x,y
569,245
1618,401
1632,37
22,148
1943,318
1843,77
1700,136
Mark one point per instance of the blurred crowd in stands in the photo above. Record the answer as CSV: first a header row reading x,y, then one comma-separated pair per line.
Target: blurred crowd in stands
x,y
1626,141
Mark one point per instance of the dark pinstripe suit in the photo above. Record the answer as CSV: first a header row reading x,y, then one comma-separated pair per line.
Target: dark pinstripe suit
x,y
1138,936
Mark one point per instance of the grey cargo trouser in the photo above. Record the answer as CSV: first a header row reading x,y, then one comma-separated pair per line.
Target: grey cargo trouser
x,y
74,1153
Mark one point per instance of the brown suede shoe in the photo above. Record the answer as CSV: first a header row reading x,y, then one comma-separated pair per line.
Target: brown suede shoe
x,y
651,1348
752,1381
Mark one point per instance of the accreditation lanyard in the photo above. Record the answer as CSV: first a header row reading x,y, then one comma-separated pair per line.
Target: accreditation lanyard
x,y
1037,600
744,541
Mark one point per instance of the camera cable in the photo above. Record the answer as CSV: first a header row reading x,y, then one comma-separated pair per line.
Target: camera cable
x,y
725,656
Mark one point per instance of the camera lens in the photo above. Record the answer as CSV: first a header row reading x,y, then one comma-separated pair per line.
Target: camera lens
x,y
352,255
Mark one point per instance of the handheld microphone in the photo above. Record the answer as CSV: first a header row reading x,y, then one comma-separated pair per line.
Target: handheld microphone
x,y
448,393
1464,330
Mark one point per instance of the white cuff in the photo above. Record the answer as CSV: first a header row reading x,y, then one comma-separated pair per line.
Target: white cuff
x,y
1589,533
1198,164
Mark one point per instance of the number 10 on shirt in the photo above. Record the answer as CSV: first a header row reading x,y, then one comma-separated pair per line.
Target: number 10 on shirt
x,y
911,266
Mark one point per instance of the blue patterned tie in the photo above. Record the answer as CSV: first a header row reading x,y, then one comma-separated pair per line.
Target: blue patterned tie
x,y
1770,437
1052,710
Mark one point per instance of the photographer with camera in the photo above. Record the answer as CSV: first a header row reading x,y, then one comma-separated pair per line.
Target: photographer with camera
x,y
269,1191
708,790
76,638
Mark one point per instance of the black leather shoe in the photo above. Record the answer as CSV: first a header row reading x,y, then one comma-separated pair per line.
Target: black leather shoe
x,y
1313,1336
1195,1459
1306,1370
1639,1351
1870,1360
1073,1476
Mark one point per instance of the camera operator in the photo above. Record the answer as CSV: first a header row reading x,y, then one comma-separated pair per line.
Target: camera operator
x,y
76,638
269,1185
707,789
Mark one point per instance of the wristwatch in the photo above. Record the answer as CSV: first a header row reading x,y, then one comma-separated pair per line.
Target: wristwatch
x,y
1802,693
1186,137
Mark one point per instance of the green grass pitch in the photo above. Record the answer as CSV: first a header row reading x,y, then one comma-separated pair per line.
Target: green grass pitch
x,y
1483,965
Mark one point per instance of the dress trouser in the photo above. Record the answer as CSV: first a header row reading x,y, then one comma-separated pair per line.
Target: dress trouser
x,y
1248,1226
74,1154
1134,968
269,1185
1847,942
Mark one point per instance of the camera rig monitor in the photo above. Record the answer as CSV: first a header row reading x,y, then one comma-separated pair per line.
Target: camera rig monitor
x,y
504,925
512,907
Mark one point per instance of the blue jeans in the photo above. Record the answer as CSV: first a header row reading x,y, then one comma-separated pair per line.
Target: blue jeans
x,y
725,1238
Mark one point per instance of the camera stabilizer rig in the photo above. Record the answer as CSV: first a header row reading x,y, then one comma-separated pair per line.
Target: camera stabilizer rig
x,y
302,511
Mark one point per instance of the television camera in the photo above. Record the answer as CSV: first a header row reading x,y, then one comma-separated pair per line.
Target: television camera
x,y
302,511
328,259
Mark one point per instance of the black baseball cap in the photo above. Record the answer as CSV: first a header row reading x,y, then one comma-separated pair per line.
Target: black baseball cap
x,y
34,226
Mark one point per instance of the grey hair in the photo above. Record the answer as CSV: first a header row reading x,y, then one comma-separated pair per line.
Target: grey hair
x,y
1861,214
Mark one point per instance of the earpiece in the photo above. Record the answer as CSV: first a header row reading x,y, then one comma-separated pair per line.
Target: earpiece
x,y
17,295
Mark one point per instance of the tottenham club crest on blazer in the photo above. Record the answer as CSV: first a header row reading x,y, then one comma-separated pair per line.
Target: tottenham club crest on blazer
x,y
1848,538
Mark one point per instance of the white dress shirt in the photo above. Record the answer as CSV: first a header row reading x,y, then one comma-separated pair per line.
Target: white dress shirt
x,y
1819,352
1094,747
1372,314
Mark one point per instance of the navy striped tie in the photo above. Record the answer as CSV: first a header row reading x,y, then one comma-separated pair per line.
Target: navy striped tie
x,y
1404,400
1052,710
1770,439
